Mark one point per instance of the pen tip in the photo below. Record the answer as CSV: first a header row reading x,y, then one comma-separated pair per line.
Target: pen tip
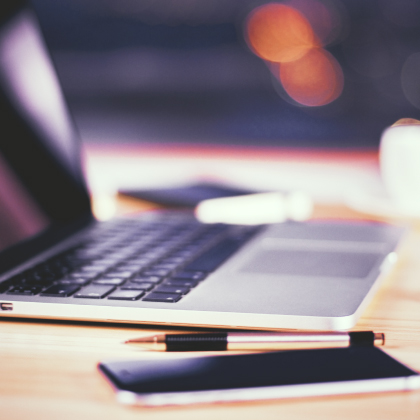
x,y
154,342
141,340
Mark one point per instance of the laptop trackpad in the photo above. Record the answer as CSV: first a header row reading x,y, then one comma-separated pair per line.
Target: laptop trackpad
x,y
311,263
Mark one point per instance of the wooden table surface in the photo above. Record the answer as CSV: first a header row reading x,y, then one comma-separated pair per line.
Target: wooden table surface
x,y
48,368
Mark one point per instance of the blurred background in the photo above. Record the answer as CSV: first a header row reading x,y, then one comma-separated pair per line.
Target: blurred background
x,y
299,73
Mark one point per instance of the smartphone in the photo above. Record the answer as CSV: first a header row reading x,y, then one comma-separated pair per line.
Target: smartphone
x,y
261,376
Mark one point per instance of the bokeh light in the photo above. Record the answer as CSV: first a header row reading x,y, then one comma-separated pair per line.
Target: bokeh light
x,y
279,33
315,79
293,44
323,20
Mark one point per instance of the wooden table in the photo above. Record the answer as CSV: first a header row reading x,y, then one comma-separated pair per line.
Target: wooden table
x,y
48,369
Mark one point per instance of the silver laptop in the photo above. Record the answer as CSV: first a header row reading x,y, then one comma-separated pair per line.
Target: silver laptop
x,y
161,268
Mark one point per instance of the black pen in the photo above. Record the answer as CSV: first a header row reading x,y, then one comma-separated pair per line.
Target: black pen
x,y
257,341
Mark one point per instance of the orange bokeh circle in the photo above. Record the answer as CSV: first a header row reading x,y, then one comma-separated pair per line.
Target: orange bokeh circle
x,y
315,79
279,33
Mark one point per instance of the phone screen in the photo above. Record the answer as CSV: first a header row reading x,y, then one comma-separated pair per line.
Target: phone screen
x,y
278,370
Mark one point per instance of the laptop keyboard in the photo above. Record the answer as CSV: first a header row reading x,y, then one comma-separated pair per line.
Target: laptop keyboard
x,y
134,260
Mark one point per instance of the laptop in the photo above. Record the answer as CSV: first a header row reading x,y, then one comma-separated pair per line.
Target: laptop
x,y
162,268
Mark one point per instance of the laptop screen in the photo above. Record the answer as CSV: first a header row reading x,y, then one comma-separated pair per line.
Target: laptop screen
x,y
41,188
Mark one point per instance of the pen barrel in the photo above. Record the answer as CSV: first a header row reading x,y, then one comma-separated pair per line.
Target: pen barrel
x,y
196,342
285,341
292,341
256,341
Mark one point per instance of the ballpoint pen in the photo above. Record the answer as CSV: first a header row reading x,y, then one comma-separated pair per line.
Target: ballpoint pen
x,y
256,341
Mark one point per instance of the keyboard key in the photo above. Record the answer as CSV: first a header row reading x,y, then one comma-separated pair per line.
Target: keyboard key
x,y
138,260
162,297
94,291
39,273
32,282
110,281
184,255
120,254
118,274
102,263
130,267
189,275
146,279
126,295
137,286
164,266
157,272
180,283
152,255
172,289
92,269
82,275
106,262
61,290
172,260
69,280
22,290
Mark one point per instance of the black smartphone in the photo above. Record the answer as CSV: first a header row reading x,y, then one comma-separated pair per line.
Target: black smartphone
x,y
286,374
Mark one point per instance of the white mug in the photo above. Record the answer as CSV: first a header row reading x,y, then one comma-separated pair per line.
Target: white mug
x,y
400,165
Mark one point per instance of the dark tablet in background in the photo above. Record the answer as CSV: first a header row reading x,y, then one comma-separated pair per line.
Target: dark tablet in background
x,y
187,196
